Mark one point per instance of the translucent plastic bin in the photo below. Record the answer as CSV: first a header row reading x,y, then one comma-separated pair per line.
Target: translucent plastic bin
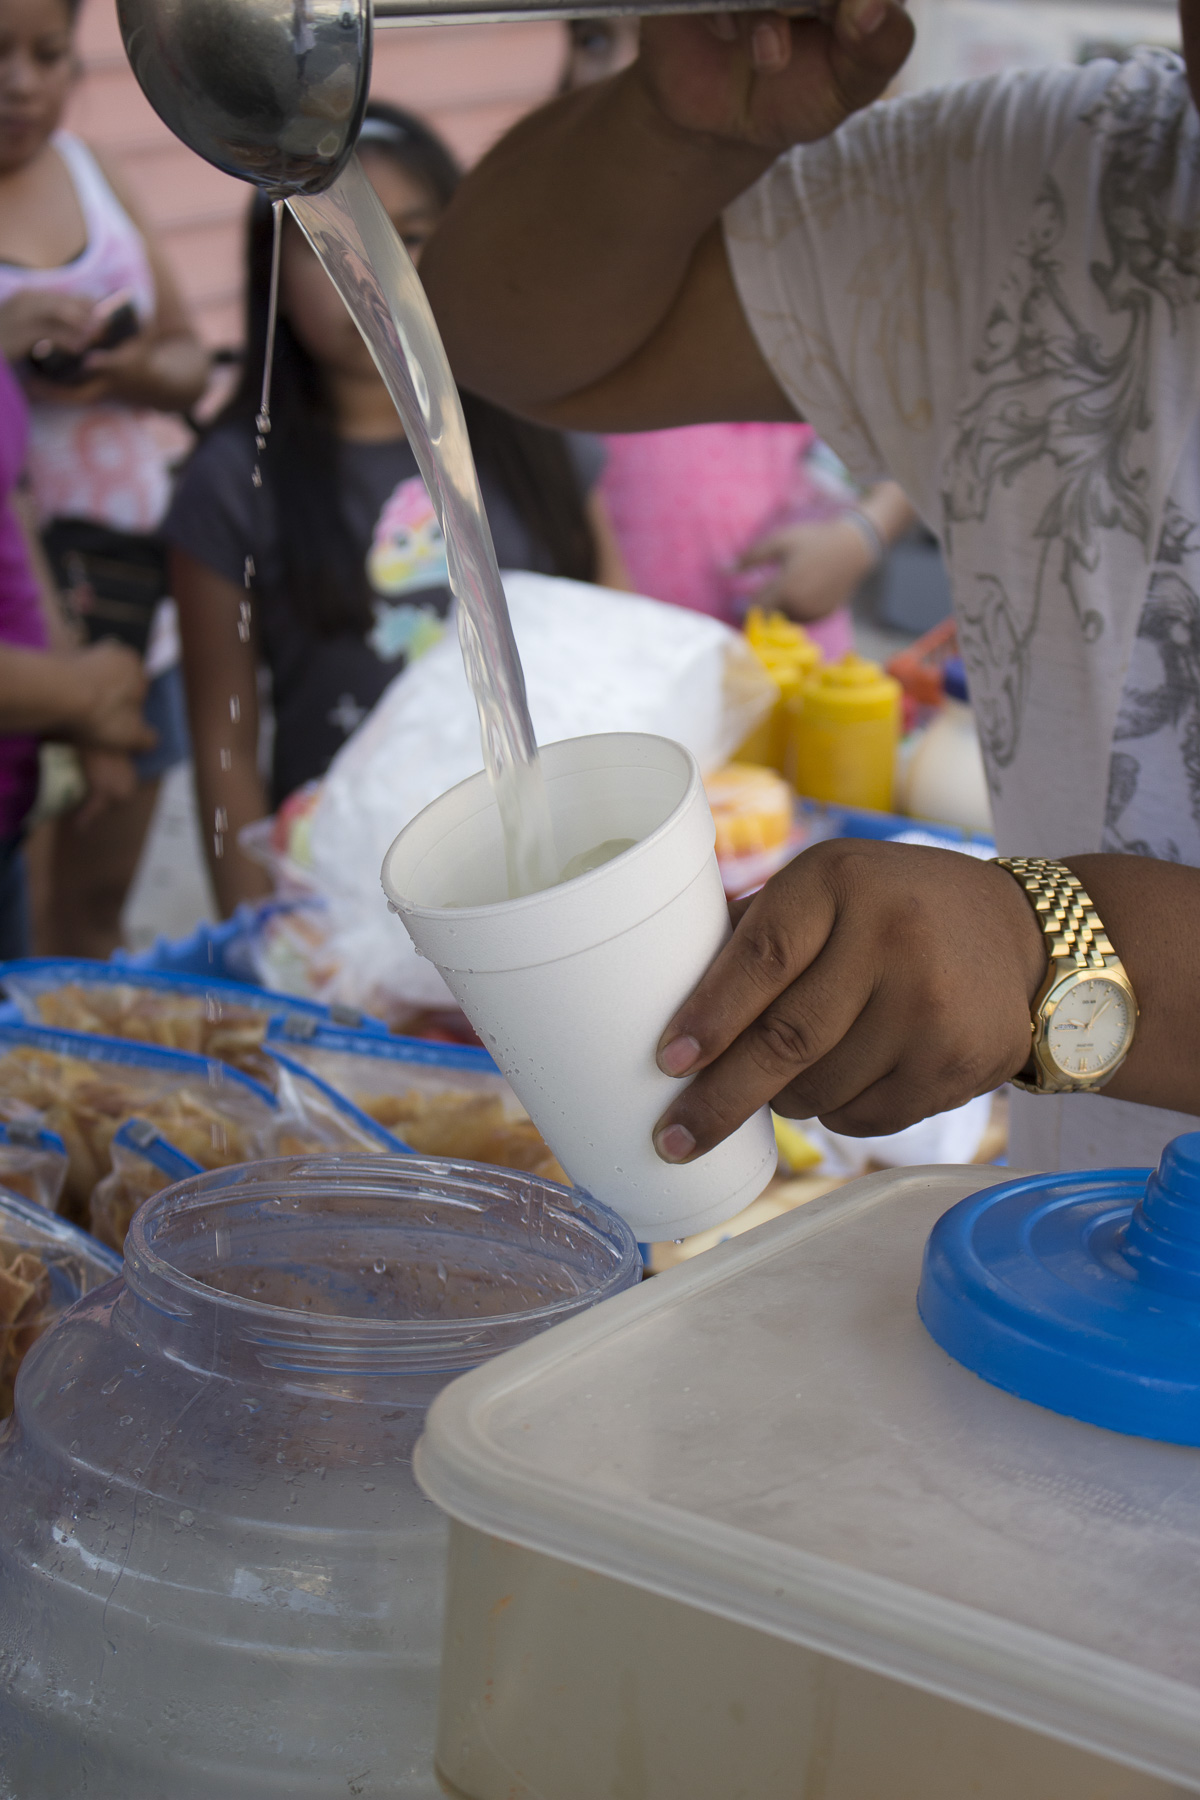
x,y
220,1581
749,1534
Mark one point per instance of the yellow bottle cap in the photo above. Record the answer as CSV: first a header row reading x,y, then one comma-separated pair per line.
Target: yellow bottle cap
x,y
850,689
784,649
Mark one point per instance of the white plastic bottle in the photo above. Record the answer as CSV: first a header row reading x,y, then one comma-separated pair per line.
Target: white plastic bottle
x,y
945,779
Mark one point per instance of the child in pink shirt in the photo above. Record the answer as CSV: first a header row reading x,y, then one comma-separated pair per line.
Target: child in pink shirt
x,y
699,511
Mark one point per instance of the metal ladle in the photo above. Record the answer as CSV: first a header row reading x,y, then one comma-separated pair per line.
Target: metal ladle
x,y
270,90
274,90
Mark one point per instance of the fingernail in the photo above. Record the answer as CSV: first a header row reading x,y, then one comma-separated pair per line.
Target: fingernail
x,y
680,1055
722,26
674,1143
868,17
766,46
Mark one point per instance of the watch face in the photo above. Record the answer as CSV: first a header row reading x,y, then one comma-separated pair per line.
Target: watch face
x,y
1090,1027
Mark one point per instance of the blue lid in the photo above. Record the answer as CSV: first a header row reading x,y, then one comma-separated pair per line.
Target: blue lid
x,y
954,679
1080,1292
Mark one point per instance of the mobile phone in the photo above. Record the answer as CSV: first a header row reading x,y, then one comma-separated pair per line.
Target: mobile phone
x,y
114,319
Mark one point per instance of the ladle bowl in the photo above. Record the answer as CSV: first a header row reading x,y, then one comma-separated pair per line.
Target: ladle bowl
x,y
269,90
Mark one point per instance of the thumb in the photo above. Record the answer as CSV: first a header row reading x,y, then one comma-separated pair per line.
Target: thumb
x,y
769,549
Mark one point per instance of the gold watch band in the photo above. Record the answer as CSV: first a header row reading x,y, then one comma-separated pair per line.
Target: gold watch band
x,y
1069,921
1077,947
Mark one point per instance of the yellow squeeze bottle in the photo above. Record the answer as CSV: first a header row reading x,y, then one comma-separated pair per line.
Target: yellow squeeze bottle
x,y
845,725
789,656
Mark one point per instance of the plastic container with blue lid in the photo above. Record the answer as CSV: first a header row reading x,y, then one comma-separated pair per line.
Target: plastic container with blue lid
x,y
750,1531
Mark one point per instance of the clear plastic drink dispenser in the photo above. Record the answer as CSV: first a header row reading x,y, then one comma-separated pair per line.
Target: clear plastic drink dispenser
x,y
218,1576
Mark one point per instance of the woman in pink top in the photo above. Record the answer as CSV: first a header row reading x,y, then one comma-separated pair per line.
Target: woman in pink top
x,y
71,243
714,517
92,696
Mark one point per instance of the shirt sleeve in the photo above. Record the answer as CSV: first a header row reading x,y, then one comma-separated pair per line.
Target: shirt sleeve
x,y
213,514
867,263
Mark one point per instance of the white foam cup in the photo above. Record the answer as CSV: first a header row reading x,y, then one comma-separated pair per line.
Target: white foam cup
x,y
570,988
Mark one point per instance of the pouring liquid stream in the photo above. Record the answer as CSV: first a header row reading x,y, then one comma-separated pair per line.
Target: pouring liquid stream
x,y
352,235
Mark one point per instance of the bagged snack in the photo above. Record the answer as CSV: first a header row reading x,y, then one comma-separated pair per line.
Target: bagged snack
x,y
45,1266
85,1088
33,1162
438,1099
223,1019
143,1163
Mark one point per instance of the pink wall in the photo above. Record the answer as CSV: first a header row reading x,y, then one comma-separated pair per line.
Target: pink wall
x,y
471,81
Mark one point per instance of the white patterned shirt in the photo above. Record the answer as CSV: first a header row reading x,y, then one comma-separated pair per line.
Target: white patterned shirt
x,y
991,293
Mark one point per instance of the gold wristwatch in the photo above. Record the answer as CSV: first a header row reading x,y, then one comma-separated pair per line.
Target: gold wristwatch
x,y
1085,1013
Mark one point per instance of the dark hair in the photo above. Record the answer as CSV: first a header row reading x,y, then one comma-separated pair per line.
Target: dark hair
x,y
323,570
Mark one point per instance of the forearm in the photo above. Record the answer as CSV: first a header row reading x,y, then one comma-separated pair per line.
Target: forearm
x,y
220,675
1151,912
170,378
587,215
889,510
228,798
42,692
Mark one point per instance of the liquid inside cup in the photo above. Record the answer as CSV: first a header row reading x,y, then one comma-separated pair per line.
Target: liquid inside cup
x,y
595,858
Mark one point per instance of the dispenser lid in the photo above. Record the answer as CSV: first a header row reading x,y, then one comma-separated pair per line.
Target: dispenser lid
x,y
851,689
1080,1292
769,1433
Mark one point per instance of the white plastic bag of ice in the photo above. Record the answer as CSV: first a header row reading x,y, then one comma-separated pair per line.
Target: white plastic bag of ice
x,y
594,660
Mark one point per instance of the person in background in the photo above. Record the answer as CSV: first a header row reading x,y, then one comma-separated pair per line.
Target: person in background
x,y
333,573
92,697
713,517
76,261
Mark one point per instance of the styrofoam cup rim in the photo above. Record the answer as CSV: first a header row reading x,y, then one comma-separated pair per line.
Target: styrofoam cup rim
x,y
525,902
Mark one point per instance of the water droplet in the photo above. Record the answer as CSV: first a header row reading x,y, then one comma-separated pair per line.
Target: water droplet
x,y
379,1266
227,759
111,1385
218,845
235,708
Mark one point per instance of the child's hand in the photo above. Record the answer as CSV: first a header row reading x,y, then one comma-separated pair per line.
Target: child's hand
x,y
111,778
105,686
818,568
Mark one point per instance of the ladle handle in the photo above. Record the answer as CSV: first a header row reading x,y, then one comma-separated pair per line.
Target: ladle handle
x,y
484,12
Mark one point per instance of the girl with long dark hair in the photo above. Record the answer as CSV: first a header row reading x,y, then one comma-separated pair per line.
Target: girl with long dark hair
x,y
333,573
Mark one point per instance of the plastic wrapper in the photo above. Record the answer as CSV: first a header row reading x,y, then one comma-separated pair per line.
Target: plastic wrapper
x,y
45,1266
594,661
143,1163
33,1162
437,1099
84,1088
222,1019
